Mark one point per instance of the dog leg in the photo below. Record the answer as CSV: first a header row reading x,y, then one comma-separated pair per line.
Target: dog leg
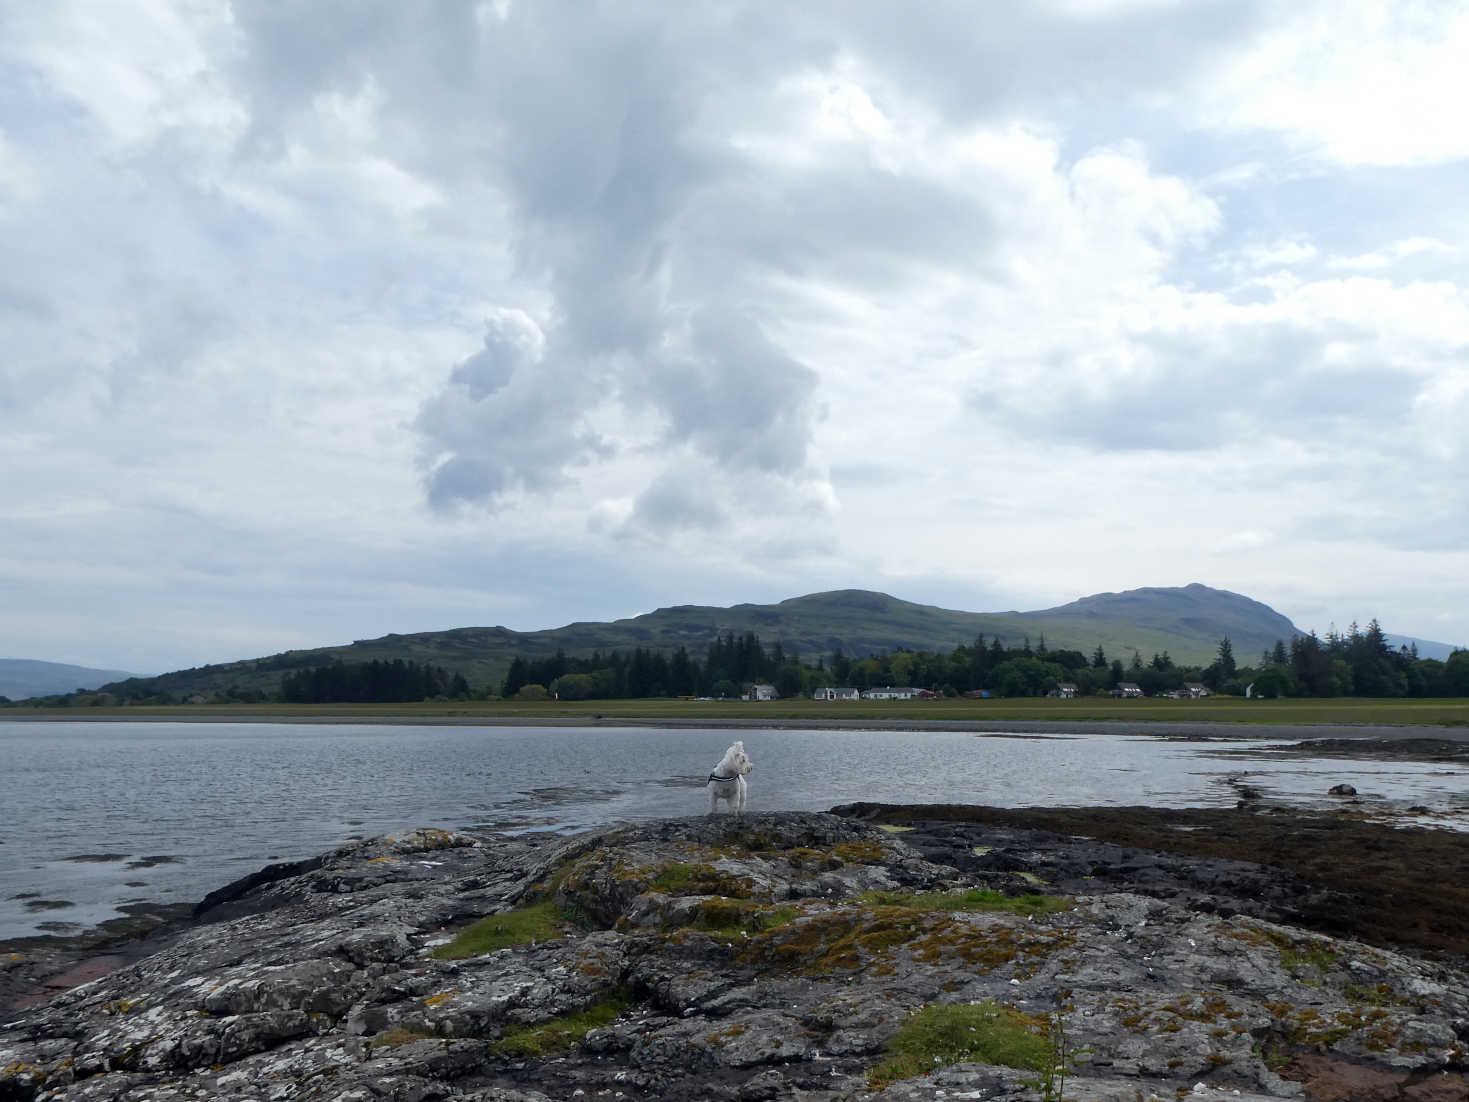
x,y
713,799
740,798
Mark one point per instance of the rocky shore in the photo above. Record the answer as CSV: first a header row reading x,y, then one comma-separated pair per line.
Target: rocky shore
x,y
873,953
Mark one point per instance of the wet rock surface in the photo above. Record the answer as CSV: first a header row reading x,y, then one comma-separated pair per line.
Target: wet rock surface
x,y
778,957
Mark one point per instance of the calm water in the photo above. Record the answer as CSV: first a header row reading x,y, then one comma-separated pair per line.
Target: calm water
x,y
94,816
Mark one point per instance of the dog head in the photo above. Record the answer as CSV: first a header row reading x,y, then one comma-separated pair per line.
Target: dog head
x,y
736,761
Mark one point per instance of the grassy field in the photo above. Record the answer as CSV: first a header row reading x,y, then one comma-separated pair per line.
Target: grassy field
x,y
1453,713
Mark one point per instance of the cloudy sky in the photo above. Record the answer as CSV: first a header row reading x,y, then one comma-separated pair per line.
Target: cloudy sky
x,y
329,318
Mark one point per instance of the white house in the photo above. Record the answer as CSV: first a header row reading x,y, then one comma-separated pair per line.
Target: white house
x,y
761,692
1128,688
1066,690
889,692
835,694
1195,689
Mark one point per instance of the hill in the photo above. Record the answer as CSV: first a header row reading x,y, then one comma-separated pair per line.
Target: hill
x,y
24,677
1427,648
1188,622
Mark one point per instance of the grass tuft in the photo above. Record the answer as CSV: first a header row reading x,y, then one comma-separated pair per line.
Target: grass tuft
x,y
676,878
560,1034
732,917
984,1033
524,926
975,899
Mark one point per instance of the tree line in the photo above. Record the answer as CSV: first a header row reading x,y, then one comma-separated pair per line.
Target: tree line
x,y
375,682
1360,663
730,662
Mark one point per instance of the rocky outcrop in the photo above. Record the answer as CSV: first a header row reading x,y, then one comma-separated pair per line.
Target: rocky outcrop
x,y
785,956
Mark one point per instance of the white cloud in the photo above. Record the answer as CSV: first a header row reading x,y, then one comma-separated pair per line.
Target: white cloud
x,y
135,74
677,304
1375,82
1277,254
1393,254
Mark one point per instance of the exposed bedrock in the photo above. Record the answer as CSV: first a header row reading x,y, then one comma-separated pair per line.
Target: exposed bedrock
x,y
789,955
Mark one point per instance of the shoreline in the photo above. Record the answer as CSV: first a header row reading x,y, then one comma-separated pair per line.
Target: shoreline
x,y
1157,728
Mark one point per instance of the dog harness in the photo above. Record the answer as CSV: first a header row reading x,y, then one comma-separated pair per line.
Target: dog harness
x,y
716,777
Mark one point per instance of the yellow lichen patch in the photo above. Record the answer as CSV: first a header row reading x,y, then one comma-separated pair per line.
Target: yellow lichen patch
x,y
20,1070
599,878
441,998
722,1037
974,899
804,857
1250,935
892,828
861,853
428,839
1296,953
988,948
395,1037
841,940
1204,1008
1207,1008
381,860
850,938
122,1006
1375,1027
594,968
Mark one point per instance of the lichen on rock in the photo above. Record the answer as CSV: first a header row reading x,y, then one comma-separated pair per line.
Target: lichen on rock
x,y
710,959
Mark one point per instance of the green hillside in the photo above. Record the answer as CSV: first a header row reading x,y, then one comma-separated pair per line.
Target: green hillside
x,y
1187,622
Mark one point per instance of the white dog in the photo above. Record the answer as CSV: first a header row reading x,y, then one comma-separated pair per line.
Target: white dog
x,y
727,782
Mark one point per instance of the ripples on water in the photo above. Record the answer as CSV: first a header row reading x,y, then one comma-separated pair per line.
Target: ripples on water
x,y
219,800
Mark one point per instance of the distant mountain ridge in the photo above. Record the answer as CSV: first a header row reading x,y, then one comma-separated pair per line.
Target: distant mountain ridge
x,y
1186,621
1427,648
25,677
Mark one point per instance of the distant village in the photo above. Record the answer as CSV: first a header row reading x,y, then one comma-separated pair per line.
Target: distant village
x,y
1063,690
